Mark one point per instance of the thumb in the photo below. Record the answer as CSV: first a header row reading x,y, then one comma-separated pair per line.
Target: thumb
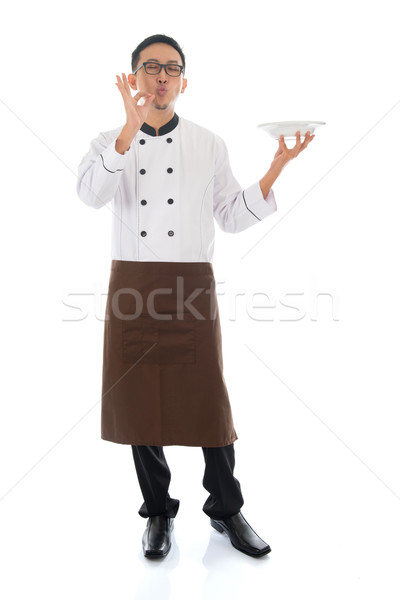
x,y
149,98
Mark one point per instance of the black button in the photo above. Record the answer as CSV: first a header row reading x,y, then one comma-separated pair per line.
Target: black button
x,y
170,201
170,169
169,140
143,202
142,171
170,233
143,233
142,142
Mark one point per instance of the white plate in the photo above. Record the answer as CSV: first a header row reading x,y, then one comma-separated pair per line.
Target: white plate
x,y
288,128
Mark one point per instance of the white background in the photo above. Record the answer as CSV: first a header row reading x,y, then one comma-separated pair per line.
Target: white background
x,y
314,391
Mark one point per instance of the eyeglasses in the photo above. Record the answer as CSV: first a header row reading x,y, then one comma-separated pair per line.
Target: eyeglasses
x,y
153,68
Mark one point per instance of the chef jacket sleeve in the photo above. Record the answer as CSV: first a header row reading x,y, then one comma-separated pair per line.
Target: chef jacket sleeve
x,y
236,209
99,172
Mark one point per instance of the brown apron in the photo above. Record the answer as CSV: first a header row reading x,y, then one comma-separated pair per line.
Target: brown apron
x,y
163,380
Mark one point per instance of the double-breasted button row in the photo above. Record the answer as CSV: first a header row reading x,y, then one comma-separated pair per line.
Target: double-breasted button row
x,y
142,141
144,233
170,201
143,171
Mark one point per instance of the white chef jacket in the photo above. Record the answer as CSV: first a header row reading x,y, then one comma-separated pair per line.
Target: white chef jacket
x,y
166,190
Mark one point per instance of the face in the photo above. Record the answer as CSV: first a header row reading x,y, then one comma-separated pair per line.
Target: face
x,y
165,87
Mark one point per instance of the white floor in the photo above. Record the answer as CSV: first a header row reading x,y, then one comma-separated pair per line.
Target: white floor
x,y
70,528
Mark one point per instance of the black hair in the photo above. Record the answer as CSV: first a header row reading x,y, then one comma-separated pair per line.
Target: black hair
x,y
156,39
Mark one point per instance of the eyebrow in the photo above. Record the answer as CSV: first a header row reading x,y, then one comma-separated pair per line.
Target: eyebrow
x,y
156,60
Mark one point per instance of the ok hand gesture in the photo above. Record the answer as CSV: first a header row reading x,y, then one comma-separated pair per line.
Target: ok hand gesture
x,y
135,114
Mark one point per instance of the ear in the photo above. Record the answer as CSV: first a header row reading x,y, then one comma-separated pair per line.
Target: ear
x,y
184,84
132,81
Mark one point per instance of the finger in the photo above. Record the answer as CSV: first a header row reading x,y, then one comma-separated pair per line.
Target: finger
x,y
122,87
126,83
309,139
141,94
305,141
148,99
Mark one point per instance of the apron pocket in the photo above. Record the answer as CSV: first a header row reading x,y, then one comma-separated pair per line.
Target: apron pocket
x,y
174,341
138,337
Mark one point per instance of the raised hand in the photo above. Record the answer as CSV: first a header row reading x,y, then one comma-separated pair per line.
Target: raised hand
x,y
135,114
284,154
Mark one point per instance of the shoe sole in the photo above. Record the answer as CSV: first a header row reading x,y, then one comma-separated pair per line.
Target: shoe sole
x,y
219,528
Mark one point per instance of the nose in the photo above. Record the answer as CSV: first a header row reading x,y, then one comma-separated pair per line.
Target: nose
x,y
162,76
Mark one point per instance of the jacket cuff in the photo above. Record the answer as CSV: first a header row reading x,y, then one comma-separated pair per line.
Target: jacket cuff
x,y
255,201
112,160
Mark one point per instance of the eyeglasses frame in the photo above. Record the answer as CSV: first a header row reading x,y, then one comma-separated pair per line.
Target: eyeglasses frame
x,y
182,68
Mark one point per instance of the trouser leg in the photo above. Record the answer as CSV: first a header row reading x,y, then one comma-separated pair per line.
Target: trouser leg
x,y
225,497
154,477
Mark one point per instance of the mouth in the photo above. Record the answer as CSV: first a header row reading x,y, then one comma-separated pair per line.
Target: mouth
x,y
162,90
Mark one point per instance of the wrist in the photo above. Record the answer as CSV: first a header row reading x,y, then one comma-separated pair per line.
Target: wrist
x,y
125,138
122,145
278,164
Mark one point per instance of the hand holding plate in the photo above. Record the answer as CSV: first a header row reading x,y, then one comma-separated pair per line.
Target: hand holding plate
x,y
284,154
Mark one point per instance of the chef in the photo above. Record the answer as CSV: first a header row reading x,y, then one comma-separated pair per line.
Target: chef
x,y
165,179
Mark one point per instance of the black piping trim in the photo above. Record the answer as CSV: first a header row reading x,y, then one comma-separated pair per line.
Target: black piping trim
x,y
162,130
106,167
244,200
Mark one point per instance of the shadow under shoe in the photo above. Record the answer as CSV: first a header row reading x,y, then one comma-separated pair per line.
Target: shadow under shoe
x,y
156,540
242,536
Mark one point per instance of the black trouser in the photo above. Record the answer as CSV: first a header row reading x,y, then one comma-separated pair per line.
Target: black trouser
x,y
154,477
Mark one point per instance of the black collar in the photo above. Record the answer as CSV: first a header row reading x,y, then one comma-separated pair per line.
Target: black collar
x,y
162,130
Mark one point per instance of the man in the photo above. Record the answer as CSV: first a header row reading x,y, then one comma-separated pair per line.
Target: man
x,y
166,179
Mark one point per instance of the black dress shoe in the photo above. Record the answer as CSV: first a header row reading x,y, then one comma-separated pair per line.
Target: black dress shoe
x,y
156,539
242,536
